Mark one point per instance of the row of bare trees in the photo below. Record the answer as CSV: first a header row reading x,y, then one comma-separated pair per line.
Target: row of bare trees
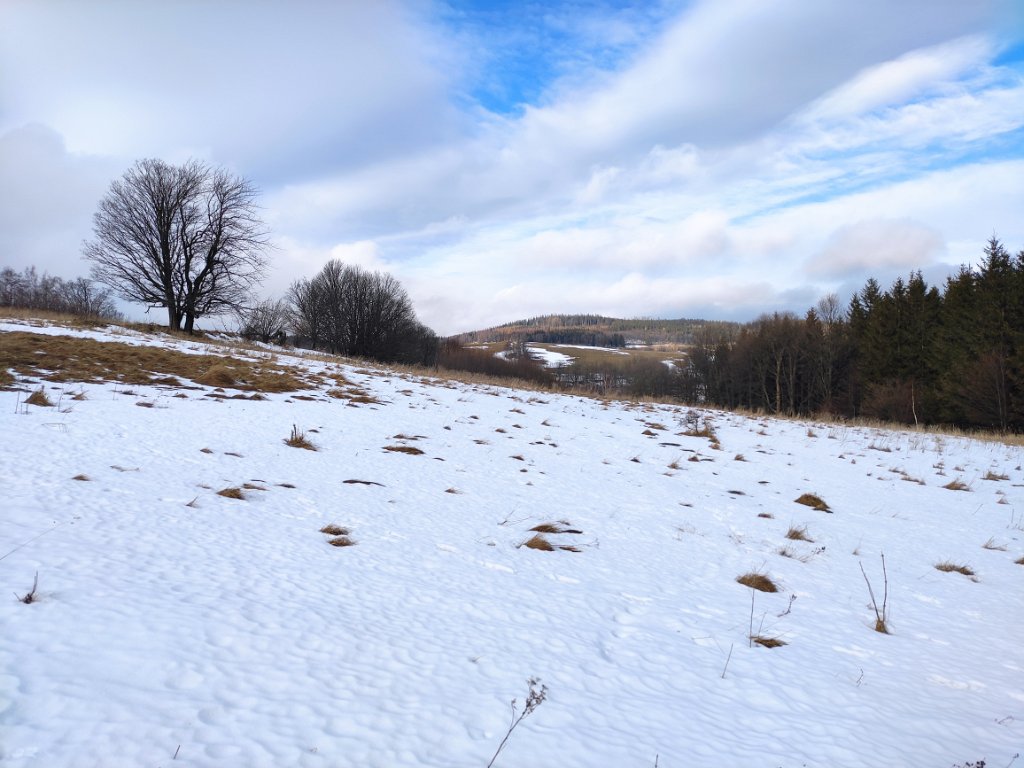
x,y
30,290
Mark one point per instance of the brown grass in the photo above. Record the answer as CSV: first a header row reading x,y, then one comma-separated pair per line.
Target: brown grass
x,y
947,567
990,475
81,477
559,527
798,534
334,530
231,493
63,358
1019,560
758,581
539,542
768,642
957,485
341,541
453,490
298,440
769,515
409,449
814,502
40,398
993,545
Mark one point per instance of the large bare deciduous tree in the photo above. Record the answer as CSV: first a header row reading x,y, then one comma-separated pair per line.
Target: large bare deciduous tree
x,y
186,238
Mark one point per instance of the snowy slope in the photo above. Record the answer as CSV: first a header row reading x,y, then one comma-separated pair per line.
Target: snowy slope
x,y
174,620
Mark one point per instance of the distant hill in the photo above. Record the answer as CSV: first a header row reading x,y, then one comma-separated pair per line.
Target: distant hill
x,y
595,330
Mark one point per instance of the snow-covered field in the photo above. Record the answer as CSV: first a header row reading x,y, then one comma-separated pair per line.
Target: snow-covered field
x,y
176,626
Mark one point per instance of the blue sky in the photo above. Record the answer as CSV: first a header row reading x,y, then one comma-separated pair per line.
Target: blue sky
x,y
710,158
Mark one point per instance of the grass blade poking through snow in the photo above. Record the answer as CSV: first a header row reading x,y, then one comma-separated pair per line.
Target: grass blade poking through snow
x,y
533,700
881,624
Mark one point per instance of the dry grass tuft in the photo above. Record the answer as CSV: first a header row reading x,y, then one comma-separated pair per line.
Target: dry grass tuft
x,y
957,485
334,530
341,541
990,475
65,358
6,379
758,581
1019,560
739,457
81,477
798,534
362,482
40,398
993,545
539,542
559,527
947,567
409,449
298,440
768,515
217,375
453,490
814,502
768,642
231,493
205,450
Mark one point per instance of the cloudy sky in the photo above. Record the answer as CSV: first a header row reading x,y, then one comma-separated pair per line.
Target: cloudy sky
x,y
503,159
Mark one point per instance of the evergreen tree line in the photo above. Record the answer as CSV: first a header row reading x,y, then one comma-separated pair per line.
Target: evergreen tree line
x,y
910,354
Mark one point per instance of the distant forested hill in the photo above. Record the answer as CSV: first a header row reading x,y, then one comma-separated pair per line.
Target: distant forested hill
x,y
596,330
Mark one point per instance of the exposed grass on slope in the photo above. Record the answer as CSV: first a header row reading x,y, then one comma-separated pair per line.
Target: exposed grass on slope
x,y
65,358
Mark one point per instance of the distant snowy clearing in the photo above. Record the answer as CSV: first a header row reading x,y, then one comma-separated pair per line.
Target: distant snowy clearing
x,y
190,611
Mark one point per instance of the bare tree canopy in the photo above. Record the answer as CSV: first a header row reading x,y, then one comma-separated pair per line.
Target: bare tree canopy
x,y
186,238
350,311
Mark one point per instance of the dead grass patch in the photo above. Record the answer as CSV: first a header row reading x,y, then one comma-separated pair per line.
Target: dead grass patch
x,y
81,477
341,541
768,642
758,581
957,485
798,534
40,398
65,358
231,493
812,501
768,515
991,544
949,567
990,475
537,541
561,526
334,530
1019,560
453,490
297,439
412,450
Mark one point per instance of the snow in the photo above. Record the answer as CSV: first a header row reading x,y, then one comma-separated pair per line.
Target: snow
x,y
173,620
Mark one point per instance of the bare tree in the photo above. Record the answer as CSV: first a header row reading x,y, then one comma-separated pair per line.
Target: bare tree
x,y
266,321
186,238
350,311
